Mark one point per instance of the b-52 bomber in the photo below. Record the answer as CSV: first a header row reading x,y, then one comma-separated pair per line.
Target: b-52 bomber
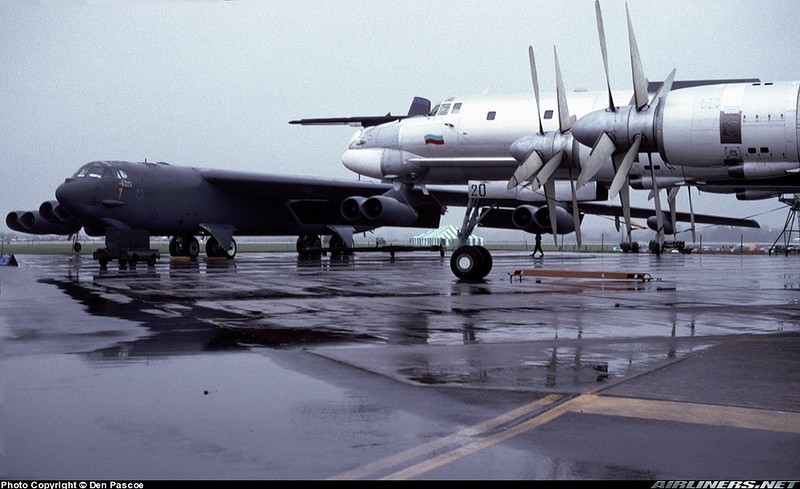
x,y
121,200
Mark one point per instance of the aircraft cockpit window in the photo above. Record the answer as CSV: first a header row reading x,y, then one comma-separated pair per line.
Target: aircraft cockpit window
x,y
121,174
457,108
434,110
444,110
90,171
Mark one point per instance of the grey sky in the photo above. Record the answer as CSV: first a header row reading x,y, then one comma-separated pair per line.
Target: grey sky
x,y
214,83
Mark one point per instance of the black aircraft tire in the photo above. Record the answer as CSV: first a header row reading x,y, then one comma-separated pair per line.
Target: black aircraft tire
x,y
213,249
338,246
192,247
231,253
307,241
469,263
173,247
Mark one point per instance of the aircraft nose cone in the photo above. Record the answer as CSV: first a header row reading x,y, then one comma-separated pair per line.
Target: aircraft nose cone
x,y
522,147
66,196
588,128
365,161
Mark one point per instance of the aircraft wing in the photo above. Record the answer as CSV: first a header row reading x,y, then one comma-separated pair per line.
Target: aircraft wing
x,y
297,188
263,185
616,211
466,162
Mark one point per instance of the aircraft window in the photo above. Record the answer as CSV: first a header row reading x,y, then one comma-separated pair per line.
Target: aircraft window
x,y
434,110
445,109
457,108
764,149
752,151
121,174
548,114
90,171
491,115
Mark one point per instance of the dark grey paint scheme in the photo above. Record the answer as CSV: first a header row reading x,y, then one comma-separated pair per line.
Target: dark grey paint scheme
x,y
171,200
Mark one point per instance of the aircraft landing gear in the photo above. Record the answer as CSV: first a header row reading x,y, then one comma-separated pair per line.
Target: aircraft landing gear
x,y
184,246
214,250
308,242
471,262
338,247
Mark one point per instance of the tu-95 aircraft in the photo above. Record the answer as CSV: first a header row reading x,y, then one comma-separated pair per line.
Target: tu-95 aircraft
x,y
726,136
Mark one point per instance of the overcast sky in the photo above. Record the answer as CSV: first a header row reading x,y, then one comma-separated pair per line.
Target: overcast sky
x,y
214,83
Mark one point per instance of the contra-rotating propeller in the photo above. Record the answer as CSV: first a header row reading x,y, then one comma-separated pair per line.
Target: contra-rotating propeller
x,y
620,133
554,147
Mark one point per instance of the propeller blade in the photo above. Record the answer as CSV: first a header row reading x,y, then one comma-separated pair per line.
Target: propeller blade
x,y
691,213
564,119
532,164
664,89
550,195
535,80
602,34
657,199
671,193
625,200
576,215
621,177
639,80
603,149
547,171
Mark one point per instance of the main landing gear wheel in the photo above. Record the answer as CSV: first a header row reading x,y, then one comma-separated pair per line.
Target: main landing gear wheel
x,y
306,242
338,247
471,262
214,250
184,246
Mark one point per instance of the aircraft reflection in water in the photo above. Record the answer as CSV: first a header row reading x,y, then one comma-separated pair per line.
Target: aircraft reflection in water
x,y
560,359
128,202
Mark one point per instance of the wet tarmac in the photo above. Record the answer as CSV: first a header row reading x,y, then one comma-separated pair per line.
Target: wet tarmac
x,y
274,367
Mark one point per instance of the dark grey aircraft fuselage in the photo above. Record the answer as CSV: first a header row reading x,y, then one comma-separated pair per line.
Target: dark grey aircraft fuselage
x,y
171,200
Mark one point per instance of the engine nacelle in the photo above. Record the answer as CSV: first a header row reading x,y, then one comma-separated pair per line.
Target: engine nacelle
x,y
53,211
731,124
536,220
761,194
351,207
652,223
646,183
32,222
388,211
761,170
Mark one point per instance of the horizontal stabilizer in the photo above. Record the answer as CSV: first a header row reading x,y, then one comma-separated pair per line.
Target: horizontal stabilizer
x,y
419,106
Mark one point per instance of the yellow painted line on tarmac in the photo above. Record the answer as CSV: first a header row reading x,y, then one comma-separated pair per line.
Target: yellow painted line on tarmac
x,y
705,414
687,412
459,436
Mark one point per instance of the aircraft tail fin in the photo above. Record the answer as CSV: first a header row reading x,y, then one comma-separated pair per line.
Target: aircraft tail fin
x,y
419,106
